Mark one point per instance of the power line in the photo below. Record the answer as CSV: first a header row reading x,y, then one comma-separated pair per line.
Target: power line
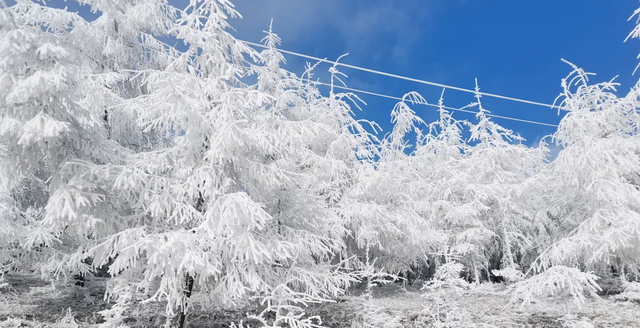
x,y
404,77
432,105
418,81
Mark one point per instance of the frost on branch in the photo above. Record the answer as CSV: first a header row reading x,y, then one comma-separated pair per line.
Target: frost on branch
x,y
593,184
558,281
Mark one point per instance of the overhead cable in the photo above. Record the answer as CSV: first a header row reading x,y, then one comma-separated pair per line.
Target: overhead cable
x,y
436,106
405,77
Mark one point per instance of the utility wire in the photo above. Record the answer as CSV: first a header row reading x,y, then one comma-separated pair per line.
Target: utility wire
x,y
404,77
432,105
418,81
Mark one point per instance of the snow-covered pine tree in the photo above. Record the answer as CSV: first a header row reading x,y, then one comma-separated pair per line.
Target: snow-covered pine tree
x,y
594,182
336,143
590,192
473,190
36,119
64,79
591,189
587,197
443,166
385,207
239,203
45,125
501,166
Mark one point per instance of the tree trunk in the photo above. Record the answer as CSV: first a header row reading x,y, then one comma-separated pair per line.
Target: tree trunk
x,y
476,273
508,254
188,288
187,294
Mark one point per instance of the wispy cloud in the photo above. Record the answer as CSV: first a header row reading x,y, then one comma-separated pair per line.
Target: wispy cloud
x,y
374,27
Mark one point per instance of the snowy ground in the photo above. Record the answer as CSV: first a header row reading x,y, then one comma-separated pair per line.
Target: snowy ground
x,y
32,303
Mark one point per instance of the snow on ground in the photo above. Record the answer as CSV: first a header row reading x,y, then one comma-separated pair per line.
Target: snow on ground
x,y
30,302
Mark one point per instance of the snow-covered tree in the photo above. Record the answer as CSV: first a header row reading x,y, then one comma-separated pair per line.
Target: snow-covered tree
x,y
594,182
384,208
588,194
44,123
501,165
237,200
472,190
442,160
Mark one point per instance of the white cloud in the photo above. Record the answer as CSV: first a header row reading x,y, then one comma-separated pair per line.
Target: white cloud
x,y
358,27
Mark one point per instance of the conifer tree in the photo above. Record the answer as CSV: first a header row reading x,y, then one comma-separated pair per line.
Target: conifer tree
x,y
502,165
594,181
384,208
50,126
444,167
238,203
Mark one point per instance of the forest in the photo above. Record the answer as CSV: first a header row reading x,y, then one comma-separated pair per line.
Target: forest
x,y
213,180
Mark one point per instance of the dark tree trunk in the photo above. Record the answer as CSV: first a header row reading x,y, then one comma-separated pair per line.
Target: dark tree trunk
x,y
187,294
188,288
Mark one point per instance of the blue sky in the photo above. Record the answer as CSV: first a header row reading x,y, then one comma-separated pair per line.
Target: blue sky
x,y
514,48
